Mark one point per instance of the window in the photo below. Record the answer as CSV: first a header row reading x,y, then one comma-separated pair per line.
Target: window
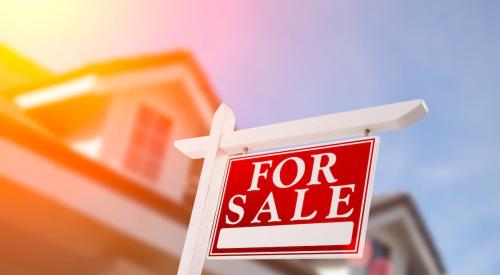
x,y
148,143
380,264
375,261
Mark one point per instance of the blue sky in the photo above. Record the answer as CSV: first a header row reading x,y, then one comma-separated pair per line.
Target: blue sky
x,y
273,61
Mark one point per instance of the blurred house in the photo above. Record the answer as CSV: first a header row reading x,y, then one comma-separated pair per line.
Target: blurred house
x,y
90,182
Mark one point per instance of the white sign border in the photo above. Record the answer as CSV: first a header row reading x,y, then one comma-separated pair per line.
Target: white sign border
x,y
304,254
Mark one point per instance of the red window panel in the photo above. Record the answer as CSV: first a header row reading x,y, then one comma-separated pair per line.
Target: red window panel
x,y
148,143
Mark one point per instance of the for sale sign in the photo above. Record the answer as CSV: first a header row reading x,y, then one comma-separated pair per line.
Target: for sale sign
x,y
309,202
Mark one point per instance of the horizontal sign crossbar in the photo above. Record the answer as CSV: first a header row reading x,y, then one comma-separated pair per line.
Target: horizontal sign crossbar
x,y
338,125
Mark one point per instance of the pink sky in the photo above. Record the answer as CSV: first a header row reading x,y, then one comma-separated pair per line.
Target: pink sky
x,y
238,43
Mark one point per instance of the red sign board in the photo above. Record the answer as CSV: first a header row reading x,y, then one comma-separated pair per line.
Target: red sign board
x,y
308,202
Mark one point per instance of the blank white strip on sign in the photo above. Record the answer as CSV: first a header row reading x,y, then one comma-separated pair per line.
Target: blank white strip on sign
x,y
338,233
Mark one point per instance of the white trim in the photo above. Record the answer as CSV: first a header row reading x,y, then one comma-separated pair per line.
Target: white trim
x,y
58,92
199,98
121,81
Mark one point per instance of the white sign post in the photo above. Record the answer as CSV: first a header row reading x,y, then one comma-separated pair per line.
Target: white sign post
x,y
223,141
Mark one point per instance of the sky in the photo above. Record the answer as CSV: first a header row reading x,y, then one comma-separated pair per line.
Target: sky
x,y
273,61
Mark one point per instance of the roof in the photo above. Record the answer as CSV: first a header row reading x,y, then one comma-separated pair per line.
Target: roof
x,y
121,65
16,70
84,111
20,131
381,204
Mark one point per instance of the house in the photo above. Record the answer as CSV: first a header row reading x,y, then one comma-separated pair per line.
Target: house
x,y
125,114
91,183
398,242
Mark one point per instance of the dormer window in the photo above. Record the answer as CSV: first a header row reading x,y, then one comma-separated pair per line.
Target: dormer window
x,y
148,143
